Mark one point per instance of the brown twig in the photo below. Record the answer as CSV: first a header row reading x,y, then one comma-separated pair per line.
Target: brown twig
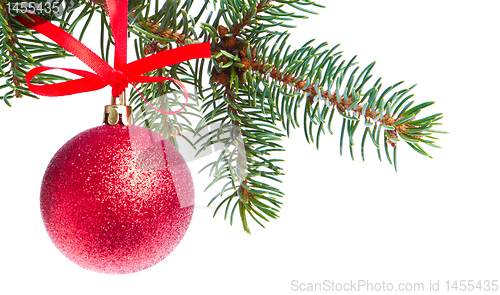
x,y
154,28
249,17
342,106
100,3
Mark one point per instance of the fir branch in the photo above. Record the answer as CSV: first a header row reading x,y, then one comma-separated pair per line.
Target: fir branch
x,y
379,111
342,104
247,64
10,40
23,49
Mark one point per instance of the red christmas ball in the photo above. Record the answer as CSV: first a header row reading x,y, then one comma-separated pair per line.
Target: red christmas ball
x,y
117,199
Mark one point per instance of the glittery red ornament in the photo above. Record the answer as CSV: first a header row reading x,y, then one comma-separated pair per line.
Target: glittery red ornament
x,y
117,199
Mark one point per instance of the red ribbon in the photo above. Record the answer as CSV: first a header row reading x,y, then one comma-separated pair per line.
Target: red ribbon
x,y
119,76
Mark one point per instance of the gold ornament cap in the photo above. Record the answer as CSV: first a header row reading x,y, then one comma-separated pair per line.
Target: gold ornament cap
x,y
118,112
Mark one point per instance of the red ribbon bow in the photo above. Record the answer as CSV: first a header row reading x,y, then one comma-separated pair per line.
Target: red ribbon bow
x,y
119,76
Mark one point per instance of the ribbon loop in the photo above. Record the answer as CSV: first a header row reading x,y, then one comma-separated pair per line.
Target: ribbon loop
x,y
119,76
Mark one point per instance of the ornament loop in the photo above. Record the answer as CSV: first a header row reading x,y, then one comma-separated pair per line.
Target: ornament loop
x,y
118,113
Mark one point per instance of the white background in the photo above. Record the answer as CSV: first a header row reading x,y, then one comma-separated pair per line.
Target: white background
x,y
341,220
